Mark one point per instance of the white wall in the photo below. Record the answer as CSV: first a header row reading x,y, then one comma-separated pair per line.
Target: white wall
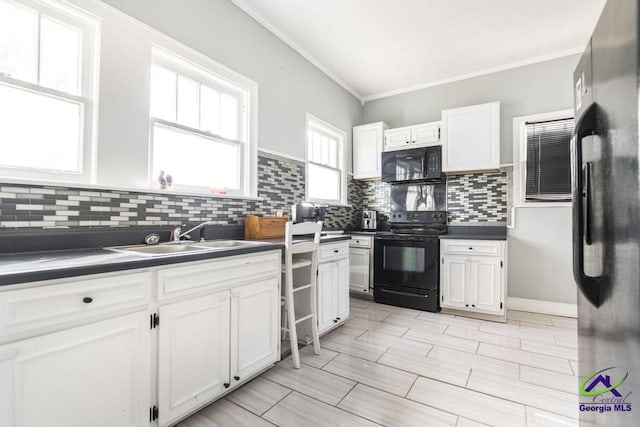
x,y
540,244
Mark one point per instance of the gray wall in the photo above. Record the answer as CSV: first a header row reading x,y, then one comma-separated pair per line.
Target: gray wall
x,y
289,85
537,88
540,244
540,255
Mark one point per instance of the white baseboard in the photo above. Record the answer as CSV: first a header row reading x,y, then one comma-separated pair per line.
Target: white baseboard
x,y
544,307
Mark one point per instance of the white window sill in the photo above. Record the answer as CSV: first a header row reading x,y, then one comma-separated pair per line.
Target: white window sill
x,y
544,205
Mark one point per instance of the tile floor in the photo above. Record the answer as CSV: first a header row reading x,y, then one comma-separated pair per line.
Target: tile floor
x,y
394,366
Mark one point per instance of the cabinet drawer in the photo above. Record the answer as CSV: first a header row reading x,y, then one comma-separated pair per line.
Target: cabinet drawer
x,y
207,275
472,247
333,251
361,242
45,307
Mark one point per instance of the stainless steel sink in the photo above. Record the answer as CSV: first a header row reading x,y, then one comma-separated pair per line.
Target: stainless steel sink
x,y
158,250
184,247
219,244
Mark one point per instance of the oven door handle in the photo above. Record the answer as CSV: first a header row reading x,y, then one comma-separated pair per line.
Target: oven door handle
x,y
404,293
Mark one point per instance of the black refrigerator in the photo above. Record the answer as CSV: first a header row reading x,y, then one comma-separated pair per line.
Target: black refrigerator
x,y
606,219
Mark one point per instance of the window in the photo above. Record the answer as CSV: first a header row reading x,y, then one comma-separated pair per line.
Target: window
x,y
199,128
542,168
326,180
46,92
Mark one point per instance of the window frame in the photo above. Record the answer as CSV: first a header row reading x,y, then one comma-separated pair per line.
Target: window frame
x,y
88,28
520,158
312,121
244,91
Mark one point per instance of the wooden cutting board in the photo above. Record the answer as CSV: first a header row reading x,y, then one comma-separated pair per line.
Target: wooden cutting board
x,y
264,227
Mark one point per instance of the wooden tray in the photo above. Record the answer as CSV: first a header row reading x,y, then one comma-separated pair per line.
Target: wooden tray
x,y
264,227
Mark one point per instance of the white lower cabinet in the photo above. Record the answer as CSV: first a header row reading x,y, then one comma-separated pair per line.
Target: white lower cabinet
x,y
255,324
82,351
208,344
333,293
473,275
359,270
92,375
193,354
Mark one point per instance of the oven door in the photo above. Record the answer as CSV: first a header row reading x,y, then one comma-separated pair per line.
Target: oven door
x,y
407,261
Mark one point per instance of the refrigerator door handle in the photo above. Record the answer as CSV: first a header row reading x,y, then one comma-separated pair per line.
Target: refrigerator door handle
x,y
586,196
587,125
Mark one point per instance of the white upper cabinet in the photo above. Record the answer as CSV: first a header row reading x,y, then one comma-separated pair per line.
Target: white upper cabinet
x,y
471,138
412,136
367,146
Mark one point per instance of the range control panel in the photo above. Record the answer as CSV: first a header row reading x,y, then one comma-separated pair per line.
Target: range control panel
x,y
425,217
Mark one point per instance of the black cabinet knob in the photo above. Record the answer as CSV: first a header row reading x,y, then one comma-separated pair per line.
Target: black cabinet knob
x,y
338,318
336,251
335,320
473,305
226,385
87,300
237,378
466,305
470,248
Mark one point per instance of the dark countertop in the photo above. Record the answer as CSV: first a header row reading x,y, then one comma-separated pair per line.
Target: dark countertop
x,y
362,232
47,265
26,267
480,232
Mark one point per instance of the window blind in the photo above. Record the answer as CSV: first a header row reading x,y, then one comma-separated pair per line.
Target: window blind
x,y
548,160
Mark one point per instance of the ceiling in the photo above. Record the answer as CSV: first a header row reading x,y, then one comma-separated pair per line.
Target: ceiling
x,y
377,48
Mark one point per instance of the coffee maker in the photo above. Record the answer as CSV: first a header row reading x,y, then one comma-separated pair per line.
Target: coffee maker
x,y
370,220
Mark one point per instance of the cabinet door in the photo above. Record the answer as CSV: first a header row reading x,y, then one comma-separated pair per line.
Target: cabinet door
x,y
426,134
471,138
397,138
255,320
327,295
367,146
342,291
93,375
359,270
487,284
455,281
193,354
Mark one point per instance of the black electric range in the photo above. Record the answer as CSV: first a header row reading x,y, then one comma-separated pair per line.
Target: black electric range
x,y
406,260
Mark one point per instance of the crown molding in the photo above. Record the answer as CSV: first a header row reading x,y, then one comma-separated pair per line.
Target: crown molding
x,y
484,72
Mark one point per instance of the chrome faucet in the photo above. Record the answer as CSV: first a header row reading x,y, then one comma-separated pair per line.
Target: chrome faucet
x,y
177,232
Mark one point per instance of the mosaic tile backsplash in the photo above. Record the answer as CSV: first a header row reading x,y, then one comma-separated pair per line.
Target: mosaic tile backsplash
x,y
477,198
471,198
280,184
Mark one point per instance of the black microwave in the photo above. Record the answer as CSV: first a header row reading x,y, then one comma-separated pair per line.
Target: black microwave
x,y
415,164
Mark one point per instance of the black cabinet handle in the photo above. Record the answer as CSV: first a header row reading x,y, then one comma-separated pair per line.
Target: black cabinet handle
x,y
338,318
237,378
473,305
87,300
466,305
226,385
335,320
336,251
470,248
